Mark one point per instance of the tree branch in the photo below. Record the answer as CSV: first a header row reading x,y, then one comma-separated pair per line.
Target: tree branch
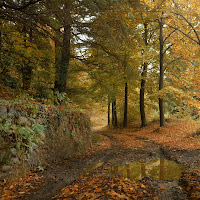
x,y
175,28
100,45
87,62
152,32
17,7
172,62
190,24
169,35
168,48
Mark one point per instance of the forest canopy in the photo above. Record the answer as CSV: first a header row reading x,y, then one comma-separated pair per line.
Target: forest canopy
x,y
139,59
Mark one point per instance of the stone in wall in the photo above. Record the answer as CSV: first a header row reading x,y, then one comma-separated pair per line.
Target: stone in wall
x,y
3,111
67,135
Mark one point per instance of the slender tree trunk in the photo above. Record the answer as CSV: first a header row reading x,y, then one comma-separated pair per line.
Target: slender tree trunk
x,y
125,105
0,45
115,114
27,72
65,55
161,80
108,112
143,81
0,48
142,90
57,60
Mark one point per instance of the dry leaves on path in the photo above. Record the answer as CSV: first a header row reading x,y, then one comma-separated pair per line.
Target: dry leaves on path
x,y
177,134
105,187
18,189
190,181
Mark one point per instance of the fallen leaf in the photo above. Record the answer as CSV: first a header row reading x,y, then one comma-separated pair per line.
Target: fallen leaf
x,y
98,190
11,187
162,188
21,192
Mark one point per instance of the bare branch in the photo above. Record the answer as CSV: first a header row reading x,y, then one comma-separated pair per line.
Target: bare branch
x,y
152,33
175,28
190,24
169,35
172,62
85,61
169,47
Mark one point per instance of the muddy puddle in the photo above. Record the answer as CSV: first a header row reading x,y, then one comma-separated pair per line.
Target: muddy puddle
x,y
159,169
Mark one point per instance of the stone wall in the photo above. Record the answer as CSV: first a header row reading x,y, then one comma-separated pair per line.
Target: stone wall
x,y
67,134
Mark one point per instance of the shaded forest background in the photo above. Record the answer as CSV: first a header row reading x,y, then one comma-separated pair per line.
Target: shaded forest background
x,y
138,60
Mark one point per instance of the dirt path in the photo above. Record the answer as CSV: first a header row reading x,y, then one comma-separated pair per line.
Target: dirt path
x,y
68,171
116,147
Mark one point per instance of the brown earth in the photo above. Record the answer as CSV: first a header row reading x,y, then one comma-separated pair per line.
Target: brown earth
x,y
84,177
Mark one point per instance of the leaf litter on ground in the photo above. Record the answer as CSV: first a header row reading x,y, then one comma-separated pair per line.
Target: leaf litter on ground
x,y
178,134
107,187
17,189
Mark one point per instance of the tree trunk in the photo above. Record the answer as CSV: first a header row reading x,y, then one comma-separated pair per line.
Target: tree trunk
x,y
108,113
65,55
161,80
57,61
27,72
114,114
27,68
113,117
125,105
0,48
143,81
142,89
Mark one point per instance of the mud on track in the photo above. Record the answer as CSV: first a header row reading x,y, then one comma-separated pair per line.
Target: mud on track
x,y
112,150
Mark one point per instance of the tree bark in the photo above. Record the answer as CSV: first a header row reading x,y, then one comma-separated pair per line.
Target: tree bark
x,y
114,114
125,105
27,72
108,112
27,68
142,90
65,55
161,80
0,48
57,60
113,117
143,81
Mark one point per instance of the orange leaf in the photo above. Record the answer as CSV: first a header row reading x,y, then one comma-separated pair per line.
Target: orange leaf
x,y
98,190
162,188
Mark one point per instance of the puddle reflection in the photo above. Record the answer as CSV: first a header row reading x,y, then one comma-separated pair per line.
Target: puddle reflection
x,y
159,169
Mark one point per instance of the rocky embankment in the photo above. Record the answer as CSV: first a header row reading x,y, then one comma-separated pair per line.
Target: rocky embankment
x,y
34,135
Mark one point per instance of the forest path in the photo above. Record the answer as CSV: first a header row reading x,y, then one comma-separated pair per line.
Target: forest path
x,y
110,149
115,147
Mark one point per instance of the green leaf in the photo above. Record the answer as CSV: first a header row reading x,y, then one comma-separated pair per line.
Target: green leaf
x,y
18,145
38,129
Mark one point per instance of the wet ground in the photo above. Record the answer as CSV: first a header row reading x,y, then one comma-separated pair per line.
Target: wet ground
x,y
162,168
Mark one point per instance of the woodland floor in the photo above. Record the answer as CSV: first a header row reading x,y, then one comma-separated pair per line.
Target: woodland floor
x,y
85,177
